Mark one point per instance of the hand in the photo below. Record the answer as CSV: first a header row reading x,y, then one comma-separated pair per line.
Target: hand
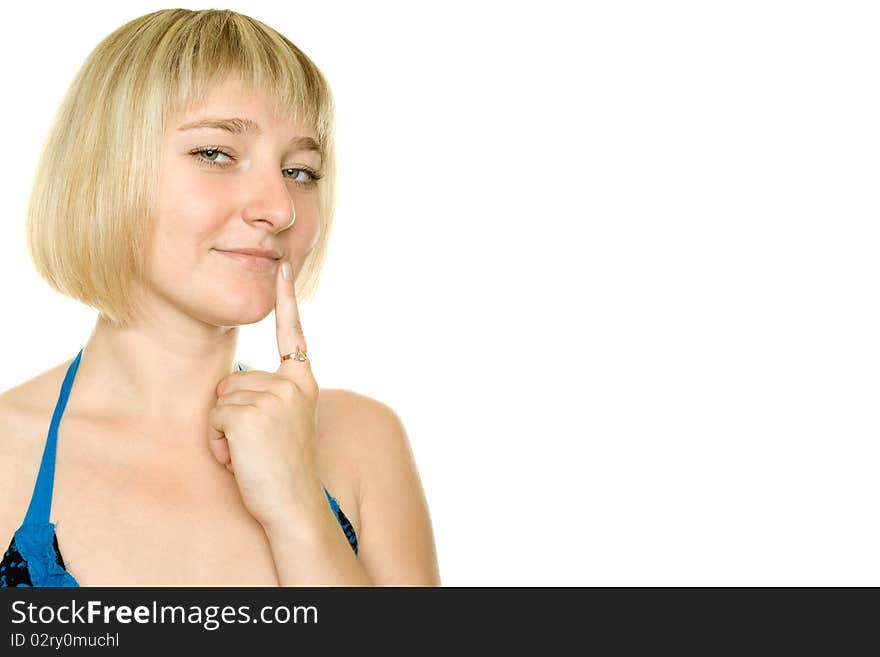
x,y
264,425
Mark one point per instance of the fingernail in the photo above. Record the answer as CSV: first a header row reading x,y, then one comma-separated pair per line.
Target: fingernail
x,y
285,270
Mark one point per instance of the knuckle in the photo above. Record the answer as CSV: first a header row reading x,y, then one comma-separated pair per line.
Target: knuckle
x,y
310,387
250,415
288,390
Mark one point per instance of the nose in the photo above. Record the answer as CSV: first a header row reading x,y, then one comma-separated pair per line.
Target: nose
x,y
270,202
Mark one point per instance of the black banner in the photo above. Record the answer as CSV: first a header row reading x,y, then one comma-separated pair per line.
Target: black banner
x,y
174,620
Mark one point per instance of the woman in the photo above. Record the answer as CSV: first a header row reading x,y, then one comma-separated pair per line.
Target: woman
x,y
177,465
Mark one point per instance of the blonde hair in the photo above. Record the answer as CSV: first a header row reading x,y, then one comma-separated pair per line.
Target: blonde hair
x,y
89,217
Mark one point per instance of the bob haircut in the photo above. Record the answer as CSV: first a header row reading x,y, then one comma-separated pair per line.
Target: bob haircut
x,y
89,230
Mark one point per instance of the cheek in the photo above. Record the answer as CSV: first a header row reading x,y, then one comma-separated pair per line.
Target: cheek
x,y
305,231
192,204
186,220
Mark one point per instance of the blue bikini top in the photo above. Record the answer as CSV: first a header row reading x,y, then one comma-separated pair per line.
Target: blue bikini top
x,y
33,557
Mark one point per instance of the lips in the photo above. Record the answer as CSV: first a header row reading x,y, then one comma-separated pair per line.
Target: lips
x,y
255,263
262,253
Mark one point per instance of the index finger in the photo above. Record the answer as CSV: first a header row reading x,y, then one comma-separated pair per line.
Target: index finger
x,y
288,327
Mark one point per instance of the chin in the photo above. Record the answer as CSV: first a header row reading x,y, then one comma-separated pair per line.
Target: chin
x,y
229,314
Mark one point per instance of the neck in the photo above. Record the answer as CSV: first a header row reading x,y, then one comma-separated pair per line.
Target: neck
x,y
156,375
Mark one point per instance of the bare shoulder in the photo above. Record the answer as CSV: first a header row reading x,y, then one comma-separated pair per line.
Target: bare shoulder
x,y
350,426
363,431
24,424
17,450
21,404
396,540
34,392
359,414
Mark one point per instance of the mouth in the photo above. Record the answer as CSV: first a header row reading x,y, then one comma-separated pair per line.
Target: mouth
x,y
252,262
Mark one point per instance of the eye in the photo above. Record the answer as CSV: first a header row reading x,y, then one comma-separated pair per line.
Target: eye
x,y
313,175
212,152
208,155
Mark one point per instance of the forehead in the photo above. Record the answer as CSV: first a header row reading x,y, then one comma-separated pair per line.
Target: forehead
x,y
231,99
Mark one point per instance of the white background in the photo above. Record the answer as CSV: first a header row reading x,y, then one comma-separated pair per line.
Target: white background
x,y
614,266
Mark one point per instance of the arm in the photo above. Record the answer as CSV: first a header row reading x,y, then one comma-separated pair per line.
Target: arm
x,y
321,556
395,539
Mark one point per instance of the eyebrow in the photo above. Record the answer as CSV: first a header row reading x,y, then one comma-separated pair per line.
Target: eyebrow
x,y
238,126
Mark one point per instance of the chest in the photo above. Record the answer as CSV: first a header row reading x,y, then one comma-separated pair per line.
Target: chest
x,y
127,513
138,523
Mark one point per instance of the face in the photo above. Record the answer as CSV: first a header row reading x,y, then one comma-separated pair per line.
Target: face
x,y
220,191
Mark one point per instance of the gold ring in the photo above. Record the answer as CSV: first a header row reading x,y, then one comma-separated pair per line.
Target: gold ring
x,y
300,355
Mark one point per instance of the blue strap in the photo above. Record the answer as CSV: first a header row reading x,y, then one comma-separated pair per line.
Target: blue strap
x,y
41,500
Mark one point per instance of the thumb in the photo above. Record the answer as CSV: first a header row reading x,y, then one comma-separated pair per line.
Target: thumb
x,y
217,441
220,449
